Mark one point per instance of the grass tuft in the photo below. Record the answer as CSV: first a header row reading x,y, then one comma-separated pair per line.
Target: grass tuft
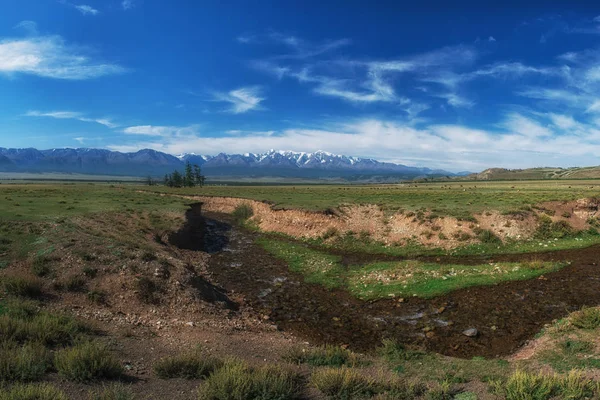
x,y
22,363
87,361
343,383
188,366
39,391
22,286
242,212
586,318
237,381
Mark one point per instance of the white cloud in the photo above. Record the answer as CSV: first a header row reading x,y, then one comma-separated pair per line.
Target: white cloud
x,y
491,39
456,100
71,115
51,57
242,100
300,49
521,143
128,4
85,9
28,26
162,131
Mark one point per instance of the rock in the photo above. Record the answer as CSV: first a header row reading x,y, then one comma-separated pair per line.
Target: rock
x,y
471,332
190,323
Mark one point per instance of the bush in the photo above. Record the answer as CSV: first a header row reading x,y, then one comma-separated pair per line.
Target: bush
x,y
96,296
552,230
40,391
327,355
236,381
189,366
487,236
242,212
342,383
75,283
87,361
112,392
22,363
586,318
22,286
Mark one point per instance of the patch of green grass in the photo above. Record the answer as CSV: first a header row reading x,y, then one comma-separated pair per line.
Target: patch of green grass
x,y
189,366
343,384
404,278
115,391
23,363
316,267
242,212
327,355
87,361
523,385
586,318
408,278
33,391
23,286
237,381
46,329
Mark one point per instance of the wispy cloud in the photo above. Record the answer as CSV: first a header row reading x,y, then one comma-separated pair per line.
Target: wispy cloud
x,y
163,131
86,10
71,115
51,57
128,4
298,48
242,100
30,27
82,8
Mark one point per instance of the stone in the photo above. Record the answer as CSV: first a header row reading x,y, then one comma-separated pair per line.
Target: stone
x,y
471,332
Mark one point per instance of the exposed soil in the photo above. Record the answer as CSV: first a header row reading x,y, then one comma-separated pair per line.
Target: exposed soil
x,y
506,315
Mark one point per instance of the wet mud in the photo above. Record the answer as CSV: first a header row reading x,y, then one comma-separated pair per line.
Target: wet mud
x,y
505,315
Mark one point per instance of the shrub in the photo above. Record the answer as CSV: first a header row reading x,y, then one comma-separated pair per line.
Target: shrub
x,y
327,355
113,392
329,233
40,266
342,383
552,230
96,296
487,236
40,391
236,381
90,272
189,366
87,361
586,318
242,212
23,286
22,363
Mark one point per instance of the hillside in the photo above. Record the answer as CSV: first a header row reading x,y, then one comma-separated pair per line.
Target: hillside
x,y
536,173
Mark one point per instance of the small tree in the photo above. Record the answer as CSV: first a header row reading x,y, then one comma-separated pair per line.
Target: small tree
x,y
188,178
177,179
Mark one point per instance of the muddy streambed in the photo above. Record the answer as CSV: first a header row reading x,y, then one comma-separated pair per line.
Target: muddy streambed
x,y
506,315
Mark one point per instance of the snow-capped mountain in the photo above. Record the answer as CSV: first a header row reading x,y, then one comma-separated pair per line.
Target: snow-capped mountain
x,y
320,164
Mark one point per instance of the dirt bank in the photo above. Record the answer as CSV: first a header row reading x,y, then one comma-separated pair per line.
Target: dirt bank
x,y
505,315
399,228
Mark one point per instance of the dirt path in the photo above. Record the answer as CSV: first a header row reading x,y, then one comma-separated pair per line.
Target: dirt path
x,y
506,315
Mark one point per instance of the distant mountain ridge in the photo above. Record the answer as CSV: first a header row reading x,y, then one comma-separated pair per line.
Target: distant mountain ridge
x,y
319,164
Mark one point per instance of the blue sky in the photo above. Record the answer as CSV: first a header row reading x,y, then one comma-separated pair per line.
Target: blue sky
x,y
462,87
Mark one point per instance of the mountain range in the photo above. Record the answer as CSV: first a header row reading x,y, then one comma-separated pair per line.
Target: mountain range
x,y
285,164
